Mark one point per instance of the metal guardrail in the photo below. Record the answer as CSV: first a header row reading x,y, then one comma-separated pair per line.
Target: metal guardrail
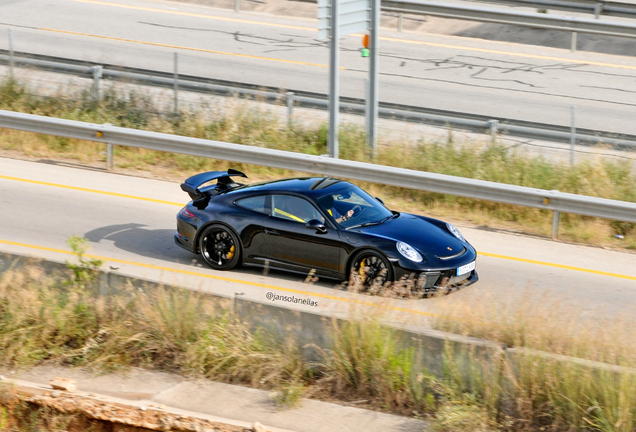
x,y
466,121
411,179
527,19
596,7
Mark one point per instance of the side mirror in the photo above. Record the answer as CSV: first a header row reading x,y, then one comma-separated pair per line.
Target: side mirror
x,y
380,201
316,225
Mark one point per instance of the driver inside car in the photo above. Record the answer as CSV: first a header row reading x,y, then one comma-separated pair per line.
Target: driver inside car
x,y
327,204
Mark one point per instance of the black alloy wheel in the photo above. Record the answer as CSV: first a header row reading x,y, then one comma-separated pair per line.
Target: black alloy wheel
x,y
370,269
220,247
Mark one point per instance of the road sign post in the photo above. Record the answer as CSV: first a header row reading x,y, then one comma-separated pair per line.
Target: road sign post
x,y
374,88
334,87
338,18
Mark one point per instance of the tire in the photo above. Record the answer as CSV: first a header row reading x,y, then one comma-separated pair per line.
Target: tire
x,y
220,247
370,268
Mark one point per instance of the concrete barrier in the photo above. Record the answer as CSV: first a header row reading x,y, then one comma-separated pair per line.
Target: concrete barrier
x,y
517,356
312,332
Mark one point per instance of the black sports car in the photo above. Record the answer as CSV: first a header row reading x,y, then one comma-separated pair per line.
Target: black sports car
x,y
323,224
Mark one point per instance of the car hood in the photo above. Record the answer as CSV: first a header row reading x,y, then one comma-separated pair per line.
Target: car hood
x,y
424,236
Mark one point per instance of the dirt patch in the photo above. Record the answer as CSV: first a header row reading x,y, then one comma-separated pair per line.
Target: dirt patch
x,y
23,407
140,418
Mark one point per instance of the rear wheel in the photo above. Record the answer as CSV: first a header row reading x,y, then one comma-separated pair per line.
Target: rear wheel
x,y
220,247
370,269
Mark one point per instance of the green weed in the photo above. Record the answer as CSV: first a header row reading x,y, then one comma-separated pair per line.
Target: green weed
x,y
85,271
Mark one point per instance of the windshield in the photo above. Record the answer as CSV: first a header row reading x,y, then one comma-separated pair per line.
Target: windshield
x,y
350,206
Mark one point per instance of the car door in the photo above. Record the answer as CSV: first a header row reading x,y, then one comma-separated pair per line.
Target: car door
x,y
255,209
295,246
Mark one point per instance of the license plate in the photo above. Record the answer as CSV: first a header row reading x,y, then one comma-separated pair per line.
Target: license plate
x,y
465,269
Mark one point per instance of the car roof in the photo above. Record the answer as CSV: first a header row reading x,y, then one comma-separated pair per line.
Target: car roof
x,y
316,186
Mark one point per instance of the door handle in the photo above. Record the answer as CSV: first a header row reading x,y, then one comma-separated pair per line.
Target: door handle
x,y
271,231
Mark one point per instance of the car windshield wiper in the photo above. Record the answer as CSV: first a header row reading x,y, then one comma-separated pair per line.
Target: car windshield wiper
x,y
366,224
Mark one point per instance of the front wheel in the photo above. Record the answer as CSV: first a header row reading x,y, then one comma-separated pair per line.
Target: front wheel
x,y
220,247
370,269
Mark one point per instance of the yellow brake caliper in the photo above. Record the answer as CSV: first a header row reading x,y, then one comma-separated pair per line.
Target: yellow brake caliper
x,y
230,254
362,263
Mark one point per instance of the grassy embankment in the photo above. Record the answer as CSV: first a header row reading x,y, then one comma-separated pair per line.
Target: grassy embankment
x,y
241,123
65,321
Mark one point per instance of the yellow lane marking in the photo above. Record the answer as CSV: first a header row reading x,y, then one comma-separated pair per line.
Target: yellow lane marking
x,y
220,278
491,51
384,38
183,47
190,14
567,267
91,190
529,261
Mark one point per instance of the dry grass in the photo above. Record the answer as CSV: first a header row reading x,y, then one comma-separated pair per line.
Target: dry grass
x,y
47,321
561,395
547,391
66,321
543,321
369,361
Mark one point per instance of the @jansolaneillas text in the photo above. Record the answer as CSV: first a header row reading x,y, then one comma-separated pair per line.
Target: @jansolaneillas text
x,y
290,299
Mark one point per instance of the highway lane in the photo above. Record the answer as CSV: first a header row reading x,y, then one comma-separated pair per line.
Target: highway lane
x,y
43,204
443,72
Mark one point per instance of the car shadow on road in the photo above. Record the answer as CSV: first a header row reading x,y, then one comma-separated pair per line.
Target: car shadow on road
x,y
158,244
141,240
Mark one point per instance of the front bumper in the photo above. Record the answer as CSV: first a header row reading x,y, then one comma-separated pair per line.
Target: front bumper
x,y
434,281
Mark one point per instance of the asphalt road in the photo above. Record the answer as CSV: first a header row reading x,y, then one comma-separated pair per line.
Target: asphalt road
x,y
443,72
130,222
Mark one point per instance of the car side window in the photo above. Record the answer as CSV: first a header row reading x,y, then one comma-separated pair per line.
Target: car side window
x,y
256,203
294,208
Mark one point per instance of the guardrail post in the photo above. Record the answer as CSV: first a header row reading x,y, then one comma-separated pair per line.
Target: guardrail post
x,y
290,107
572,133
109,157
109,147
555,224
494,127
237,5
573,45
233,302
97,75
11,59
400,21
176,83
598,8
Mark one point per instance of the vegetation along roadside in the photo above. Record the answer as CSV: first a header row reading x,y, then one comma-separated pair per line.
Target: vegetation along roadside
x,y
65,320
244,123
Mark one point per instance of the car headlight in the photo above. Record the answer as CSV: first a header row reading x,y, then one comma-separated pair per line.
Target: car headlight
x,y
408,252
455,232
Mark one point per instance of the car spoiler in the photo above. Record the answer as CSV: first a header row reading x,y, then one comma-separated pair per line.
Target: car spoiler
x,y
224,181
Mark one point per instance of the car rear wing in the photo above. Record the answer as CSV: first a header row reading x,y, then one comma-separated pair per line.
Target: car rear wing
x,y
224,182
